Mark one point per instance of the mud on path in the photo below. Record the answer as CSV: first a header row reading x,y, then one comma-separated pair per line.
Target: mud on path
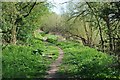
x,y
52,72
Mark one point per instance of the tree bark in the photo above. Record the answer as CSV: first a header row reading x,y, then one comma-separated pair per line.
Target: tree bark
x,y
13,35
101,37
87,35
109,33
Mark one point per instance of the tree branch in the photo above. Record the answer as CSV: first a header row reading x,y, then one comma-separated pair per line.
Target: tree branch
x,y
30,10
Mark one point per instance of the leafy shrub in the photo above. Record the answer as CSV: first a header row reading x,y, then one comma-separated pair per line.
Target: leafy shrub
x,y
51,38
39,35
42,33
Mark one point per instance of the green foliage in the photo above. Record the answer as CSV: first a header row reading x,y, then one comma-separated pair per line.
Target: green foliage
x,y
79,61
19,62
25,16
35,51
51,38
33,21
85,62
9,14
46,37
28,61
39,35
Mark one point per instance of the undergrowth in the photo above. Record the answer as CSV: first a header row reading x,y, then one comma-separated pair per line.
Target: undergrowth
x,y
83,62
